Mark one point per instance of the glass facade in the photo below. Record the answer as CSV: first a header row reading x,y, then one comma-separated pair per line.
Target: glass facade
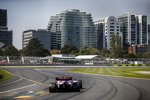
x,y
144,30
99,32
5,34
134,29
105,28
6,37
42,35
3,18
148,33
72,27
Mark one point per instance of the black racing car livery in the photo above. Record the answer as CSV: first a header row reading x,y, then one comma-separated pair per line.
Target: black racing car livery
x,y
65,84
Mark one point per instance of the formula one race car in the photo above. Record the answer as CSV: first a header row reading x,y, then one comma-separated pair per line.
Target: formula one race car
x,y
65,84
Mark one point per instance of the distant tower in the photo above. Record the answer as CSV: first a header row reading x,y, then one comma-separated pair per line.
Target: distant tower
x,y
42,35
105,27
134,29
5,34
3,19
129,29
148,33
72,27
142,30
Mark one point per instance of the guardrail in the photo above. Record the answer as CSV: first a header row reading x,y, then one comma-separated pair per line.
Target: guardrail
x,y
118,62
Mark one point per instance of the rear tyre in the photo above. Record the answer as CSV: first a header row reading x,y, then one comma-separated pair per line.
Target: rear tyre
x,y
80,84
76,87
52,88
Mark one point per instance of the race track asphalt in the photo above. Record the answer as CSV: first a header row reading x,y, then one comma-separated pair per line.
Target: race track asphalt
x,y
32,83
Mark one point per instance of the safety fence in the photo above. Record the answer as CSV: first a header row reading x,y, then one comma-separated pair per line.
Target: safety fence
x,y
116,62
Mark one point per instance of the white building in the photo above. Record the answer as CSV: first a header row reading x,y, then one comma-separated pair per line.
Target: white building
x,y
128,28
105,27
134,29
72,27
42,35
142,30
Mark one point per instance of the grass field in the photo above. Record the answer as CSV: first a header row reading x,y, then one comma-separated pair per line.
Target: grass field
x,y
4,75
125,72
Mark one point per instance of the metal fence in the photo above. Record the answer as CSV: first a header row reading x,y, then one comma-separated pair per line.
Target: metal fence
x,y
50,60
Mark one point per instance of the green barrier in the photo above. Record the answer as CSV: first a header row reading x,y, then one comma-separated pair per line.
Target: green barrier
x,y
115,65
147,64
139,64
143,65
124,65
130,65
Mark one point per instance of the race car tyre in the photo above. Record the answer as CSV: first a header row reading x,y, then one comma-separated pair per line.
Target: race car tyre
x,y
76,87
52,88
80,84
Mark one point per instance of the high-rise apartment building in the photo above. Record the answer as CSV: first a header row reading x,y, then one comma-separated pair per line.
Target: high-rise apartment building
x,y
6,37
148,33
142,30
5,34
128,28
99,29
105,28
134,29
3,19
72,27
42,35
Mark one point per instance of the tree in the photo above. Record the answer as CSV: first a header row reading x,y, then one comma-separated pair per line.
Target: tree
x,y
116,49
69,49
35,49
89,51
147,55
1,52
45,53
132,56
23,52
55,51
11,51
105,53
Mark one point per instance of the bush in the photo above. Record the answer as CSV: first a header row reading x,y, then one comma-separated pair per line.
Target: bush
x,y
1,76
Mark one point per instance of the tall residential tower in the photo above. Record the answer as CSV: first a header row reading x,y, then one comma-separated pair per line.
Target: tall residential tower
x,y
72,27
134,29
105,28
42,35
5,34
142,30
128,29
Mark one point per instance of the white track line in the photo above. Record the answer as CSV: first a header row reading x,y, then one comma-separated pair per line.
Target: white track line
x,y
23,86
31,80
17,88
112,76
20,78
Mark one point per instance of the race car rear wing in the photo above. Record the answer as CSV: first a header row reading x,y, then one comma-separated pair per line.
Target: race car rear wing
x,y
63,78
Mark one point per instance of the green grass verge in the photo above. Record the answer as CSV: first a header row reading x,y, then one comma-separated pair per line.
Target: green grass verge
x,y
125,72
4,75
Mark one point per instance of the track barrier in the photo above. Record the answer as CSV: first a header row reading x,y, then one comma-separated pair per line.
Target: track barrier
x,y
130,65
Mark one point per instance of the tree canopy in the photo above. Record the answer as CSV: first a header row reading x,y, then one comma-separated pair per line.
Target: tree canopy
x,y
89,51
35,49
11,51
116,49
69,49
55,51
1,52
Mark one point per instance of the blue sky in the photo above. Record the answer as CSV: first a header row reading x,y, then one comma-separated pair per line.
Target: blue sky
x,y
35,14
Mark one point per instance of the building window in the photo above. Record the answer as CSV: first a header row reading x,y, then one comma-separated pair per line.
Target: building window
x,y
111,26
111,29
